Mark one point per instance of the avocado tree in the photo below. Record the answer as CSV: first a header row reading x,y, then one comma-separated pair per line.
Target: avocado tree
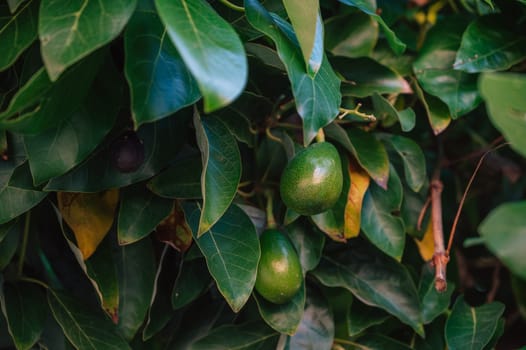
x,y
279,174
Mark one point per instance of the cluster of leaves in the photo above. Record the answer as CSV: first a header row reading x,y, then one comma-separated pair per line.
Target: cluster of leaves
x,y
218,97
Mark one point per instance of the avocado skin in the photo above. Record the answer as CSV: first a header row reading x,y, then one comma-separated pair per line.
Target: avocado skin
x,y
312,181
279,271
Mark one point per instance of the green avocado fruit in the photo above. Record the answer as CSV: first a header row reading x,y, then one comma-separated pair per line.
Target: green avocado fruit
x,y
312,181
279,274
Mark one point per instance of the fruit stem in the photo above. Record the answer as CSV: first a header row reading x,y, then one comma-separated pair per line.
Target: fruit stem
x,y
23,248
320,136
356,111
271,220
232,6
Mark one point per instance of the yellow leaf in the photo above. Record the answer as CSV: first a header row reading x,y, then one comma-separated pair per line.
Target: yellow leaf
x,y
353,209
89,215
426,246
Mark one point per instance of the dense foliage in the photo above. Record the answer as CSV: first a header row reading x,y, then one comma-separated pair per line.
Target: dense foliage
x,y
142,146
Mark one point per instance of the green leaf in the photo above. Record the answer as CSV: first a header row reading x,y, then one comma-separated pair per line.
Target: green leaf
x,y
24,307
361,317
385,112
9,242
210,48
472,327
380,342
51,106
503,94
489,44
437,111
364,76
55,151
70,31
504,232
407,118
247,336
231,249
84,327
434,69
17,31
316,330
19,195
14,4
160,83
191,282
174,183
136,266
375,279
384,229
308,242
308,26
284,318
369,8
161,141
351,35
140,212
371,155
433,303
412,158
221,169
317,98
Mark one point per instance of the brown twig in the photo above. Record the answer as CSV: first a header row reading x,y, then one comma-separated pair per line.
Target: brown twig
x,y
495,284
440,257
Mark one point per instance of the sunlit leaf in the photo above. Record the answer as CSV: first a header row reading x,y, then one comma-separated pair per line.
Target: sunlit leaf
x,y
89,215
353,210
426,245
70,31
210,48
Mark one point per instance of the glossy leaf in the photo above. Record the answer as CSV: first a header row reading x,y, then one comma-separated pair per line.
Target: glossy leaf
x,y
19,194
379,342
353,209
472,327
503,233
69,32
371,155
489,44
308,26
317,98
161,141
316,330
503,95
284,318
174,229
54,151
140,212
176,183
221,169
437,111
231,249
364,77
17,31
24,307
84,327
253,335
191,282
362,316
434,69
136,266
375,279
412,158
384,229
160,83
308,242
351,35
209,47
89,215
433,303
369,8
